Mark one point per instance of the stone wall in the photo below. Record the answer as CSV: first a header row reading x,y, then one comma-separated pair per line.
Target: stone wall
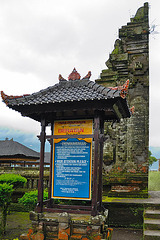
x,y
64,226
126,150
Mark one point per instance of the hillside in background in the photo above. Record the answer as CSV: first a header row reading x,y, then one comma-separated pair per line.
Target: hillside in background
x,y
156,153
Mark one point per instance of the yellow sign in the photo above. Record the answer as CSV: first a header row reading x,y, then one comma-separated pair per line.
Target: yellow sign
x,y
71,127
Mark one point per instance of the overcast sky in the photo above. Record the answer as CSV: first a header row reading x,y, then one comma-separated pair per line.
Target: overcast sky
x,y
41,39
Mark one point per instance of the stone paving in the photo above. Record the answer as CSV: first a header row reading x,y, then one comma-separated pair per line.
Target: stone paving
x,y
127,234
154,198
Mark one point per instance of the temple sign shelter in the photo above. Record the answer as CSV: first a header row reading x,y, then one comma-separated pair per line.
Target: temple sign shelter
x,y
76,110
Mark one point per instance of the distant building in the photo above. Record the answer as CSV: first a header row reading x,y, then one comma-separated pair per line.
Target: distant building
x,y
19,159
15,154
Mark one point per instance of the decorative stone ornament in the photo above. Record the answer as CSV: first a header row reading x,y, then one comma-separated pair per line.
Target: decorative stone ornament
x,y
74,75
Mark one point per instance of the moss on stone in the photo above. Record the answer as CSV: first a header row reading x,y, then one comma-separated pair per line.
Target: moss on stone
x,y
139,15
115,51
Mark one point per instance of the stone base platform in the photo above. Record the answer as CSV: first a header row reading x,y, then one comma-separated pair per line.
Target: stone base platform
x,y
64,226
126,185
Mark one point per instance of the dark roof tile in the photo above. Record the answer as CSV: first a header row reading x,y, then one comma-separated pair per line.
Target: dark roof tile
x,y
65,91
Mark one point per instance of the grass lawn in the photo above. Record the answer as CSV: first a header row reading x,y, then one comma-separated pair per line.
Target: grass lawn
x,y
154,181
17,223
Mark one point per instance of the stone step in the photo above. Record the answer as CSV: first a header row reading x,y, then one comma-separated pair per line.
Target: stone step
x,y
152,224
151,235
154,206
151,213
132,194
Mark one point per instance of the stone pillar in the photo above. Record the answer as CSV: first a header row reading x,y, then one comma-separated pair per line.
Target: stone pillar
x,y
128,172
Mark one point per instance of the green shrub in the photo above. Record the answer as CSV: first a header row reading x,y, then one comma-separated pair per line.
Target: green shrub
x,y
30,199
13,239
5,193
5,200
14,179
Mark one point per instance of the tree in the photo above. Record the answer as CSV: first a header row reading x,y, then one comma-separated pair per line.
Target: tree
x,y
151,159
5,199
8,182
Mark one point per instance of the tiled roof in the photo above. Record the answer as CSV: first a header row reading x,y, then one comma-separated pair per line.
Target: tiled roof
x,y
13,148
66,91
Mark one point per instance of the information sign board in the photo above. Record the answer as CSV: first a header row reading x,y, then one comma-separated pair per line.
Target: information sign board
x,y
72,167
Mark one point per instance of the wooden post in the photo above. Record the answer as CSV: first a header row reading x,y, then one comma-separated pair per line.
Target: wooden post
x,y
51,165
41,169
100,183
95,167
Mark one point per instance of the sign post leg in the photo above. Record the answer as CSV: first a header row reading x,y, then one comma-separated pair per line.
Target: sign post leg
x,y
41,169
51,165
100,184
95,166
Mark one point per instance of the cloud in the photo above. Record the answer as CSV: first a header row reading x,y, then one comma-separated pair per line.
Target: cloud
x,y
40,39
28,139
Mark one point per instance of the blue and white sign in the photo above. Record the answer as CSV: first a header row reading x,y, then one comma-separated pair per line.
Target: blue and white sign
x,y
72,169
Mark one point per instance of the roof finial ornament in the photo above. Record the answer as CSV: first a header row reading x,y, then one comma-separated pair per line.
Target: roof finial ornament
x,y
74,75
61,79
87,76
123,89
6,97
